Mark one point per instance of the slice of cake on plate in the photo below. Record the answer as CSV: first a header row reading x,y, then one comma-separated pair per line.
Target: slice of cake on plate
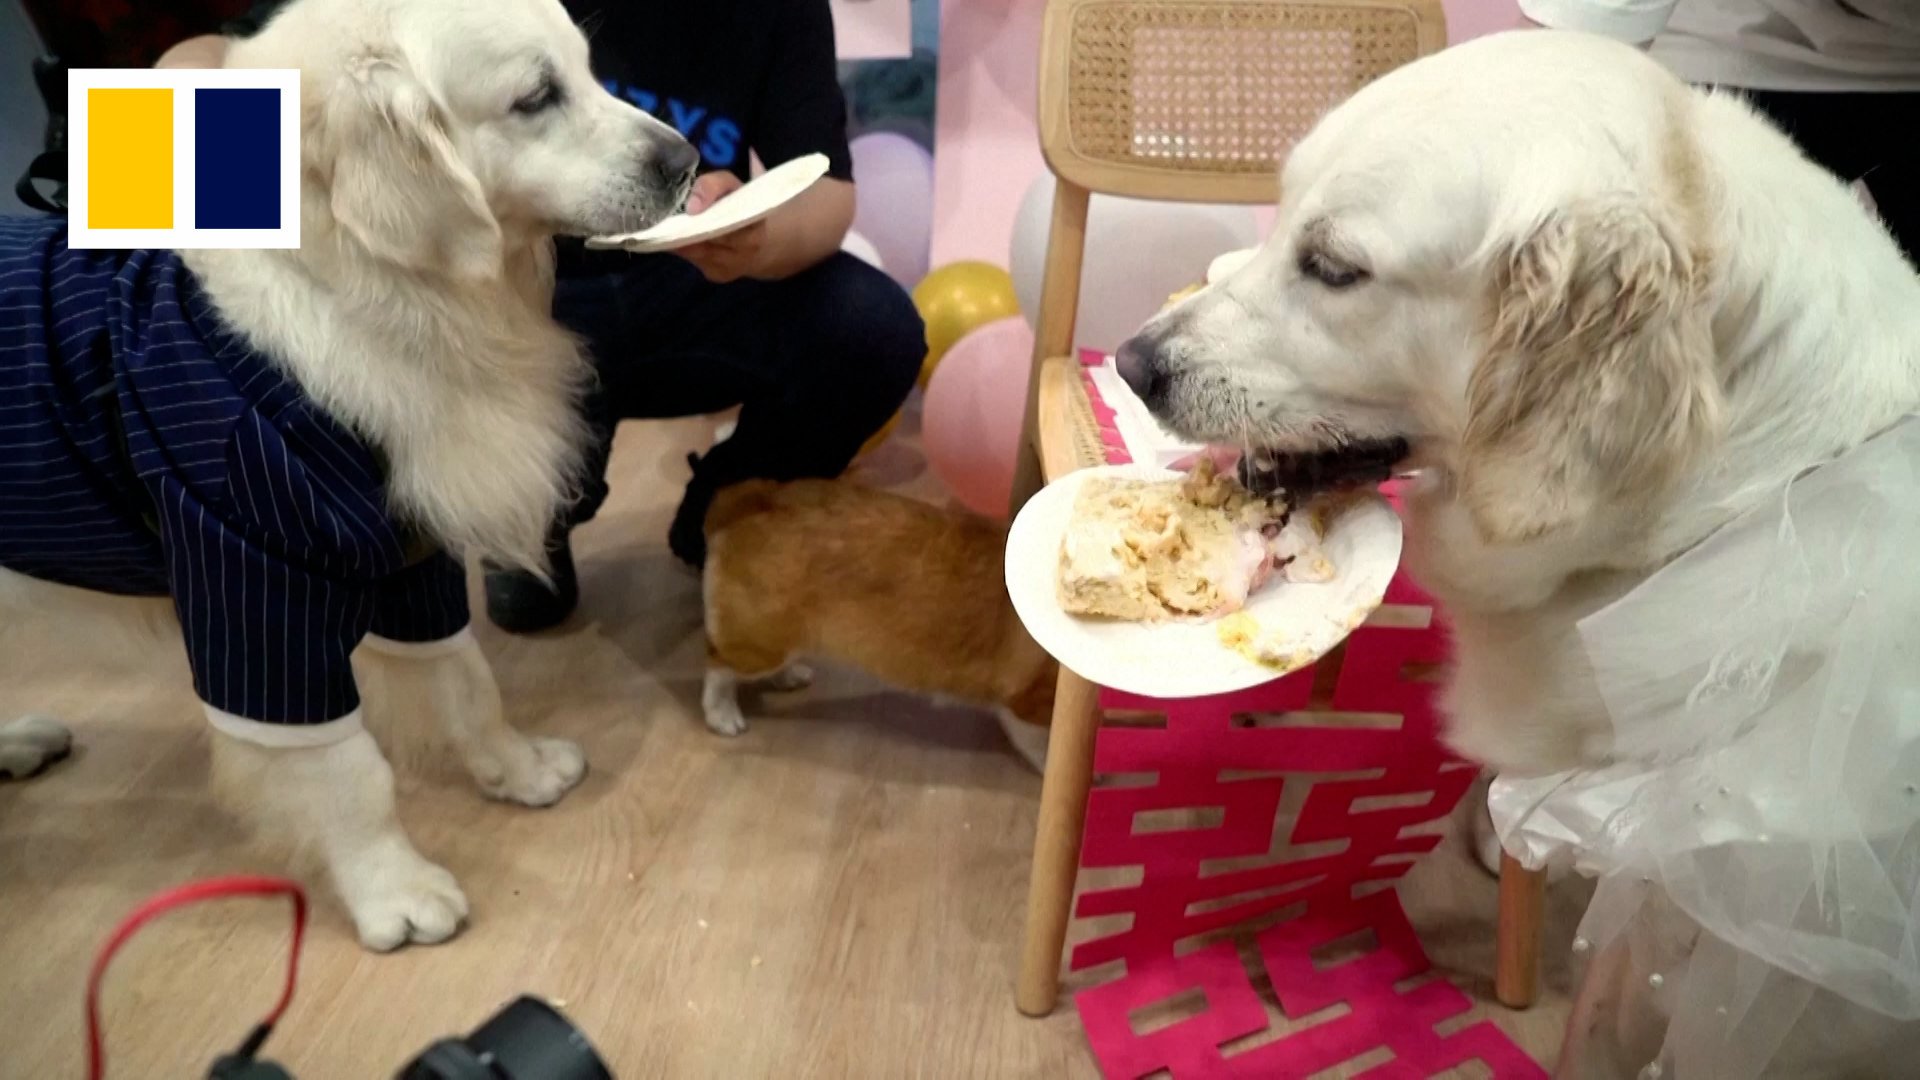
x,y
1146,550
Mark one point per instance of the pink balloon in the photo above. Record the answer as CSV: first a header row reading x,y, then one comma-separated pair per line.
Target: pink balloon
x,y
893,205
975,402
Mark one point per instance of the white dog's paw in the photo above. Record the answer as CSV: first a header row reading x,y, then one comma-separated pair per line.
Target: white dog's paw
x,y
398,898
725,718
531,772
30,744
795,676
720,702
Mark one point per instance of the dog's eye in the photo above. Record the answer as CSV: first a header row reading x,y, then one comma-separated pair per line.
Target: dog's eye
x,y
545,97
1330,271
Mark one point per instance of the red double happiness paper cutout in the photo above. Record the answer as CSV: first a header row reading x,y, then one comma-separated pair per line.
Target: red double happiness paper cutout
x,y
1111,443
1334,861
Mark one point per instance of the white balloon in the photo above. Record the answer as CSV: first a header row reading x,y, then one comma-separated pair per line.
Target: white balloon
x,y
862,248
1138,253
893,182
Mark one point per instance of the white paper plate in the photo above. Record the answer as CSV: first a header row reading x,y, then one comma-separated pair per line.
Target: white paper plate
x,y
749,203
1182,659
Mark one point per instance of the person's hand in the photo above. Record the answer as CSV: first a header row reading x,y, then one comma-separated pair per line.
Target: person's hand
x,y
730,257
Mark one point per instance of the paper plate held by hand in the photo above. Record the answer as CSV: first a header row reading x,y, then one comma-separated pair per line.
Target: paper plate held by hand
x,y
747,204
1188,659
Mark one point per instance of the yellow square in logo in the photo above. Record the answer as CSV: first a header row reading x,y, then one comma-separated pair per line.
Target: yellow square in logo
x,y
129,158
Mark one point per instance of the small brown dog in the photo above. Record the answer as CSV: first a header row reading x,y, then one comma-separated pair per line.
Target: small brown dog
x,y
827,569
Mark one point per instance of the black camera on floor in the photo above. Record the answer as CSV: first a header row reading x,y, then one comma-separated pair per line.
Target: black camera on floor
x,y
527,1040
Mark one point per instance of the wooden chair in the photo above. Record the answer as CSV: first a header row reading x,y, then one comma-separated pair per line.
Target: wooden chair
x,y
1183,100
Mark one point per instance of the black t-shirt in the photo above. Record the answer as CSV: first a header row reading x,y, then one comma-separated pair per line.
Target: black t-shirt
x,y
730,75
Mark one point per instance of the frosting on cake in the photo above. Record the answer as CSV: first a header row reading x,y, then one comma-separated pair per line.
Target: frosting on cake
x,y
1196,548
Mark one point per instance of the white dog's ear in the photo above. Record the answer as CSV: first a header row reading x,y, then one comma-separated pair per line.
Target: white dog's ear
x,y
398,185
1598,380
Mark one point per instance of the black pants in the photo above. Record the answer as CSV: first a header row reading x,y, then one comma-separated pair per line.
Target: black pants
x,y
1874,138
817,362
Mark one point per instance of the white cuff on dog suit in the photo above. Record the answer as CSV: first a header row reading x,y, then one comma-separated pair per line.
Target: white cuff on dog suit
x,y
285,736
297,736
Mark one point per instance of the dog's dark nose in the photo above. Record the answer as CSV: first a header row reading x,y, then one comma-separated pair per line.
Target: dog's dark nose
x,y
674,163
1138,362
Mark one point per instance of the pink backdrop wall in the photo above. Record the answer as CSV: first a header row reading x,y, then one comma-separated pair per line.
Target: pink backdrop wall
x,y
872,29
988,148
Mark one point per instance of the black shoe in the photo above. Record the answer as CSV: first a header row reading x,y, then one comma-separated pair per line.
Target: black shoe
x,y
520,603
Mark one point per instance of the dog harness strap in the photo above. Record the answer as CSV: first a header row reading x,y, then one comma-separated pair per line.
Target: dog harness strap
x,y
285,736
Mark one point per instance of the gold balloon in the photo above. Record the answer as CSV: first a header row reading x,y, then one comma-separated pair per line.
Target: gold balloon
x,y
956,300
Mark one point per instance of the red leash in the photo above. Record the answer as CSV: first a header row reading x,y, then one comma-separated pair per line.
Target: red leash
x,y
160,904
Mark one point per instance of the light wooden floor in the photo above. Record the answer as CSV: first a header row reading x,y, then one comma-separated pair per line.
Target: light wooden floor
x,y
837,894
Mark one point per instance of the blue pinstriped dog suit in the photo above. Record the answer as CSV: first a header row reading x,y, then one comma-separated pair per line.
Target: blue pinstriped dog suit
x,y
145,449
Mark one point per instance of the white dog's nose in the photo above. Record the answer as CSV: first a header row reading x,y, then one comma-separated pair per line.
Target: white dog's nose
x,y
1139,366
674,162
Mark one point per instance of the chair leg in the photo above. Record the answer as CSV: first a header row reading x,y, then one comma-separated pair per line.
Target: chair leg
x,y
1056,841
1523,901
